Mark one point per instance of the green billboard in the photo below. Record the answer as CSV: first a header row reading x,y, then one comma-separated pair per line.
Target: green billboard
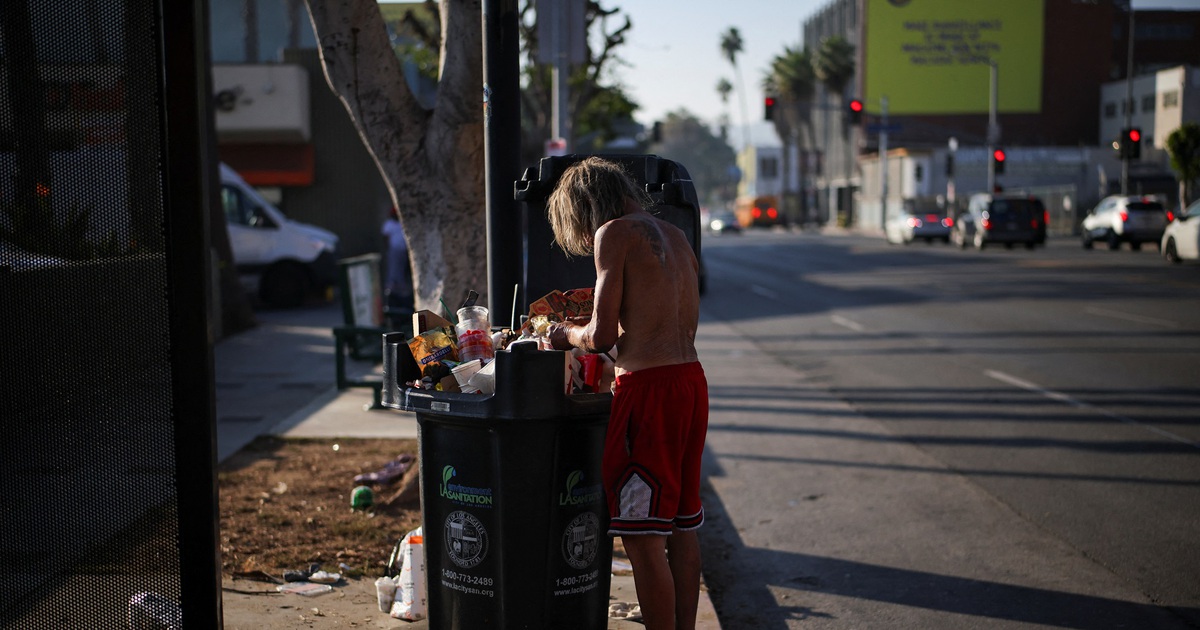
x,y
934,56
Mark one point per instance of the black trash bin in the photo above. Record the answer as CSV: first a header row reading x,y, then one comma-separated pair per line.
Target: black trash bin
x,y
546,267
513,509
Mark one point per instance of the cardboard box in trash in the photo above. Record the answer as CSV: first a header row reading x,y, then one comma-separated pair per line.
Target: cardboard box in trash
x,y
557,306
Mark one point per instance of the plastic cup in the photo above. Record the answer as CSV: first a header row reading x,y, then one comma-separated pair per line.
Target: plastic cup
x,y
474,334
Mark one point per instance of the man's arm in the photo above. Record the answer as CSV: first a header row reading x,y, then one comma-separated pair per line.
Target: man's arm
x,y
601,332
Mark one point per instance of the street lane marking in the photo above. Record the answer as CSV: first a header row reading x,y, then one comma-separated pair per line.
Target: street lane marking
x,y
1141,319
848,323
764,291
1079,404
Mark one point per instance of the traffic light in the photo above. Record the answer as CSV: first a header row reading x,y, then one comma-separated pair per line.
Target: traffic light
x,y
999,158
769,108
1130,144
854,111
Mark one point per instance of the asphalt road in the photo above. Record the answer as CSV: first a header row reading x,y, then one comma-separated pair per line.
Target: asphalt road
x,y
998,438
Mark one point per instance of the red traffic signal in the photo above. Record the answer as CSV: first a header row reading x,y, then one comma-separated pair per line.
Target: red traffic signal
x,y
854,110
998,158
1129,145
769,108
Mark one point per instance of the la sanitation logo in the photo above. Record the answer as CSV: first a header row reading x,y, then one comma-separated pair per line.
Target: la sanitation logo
x,y
463,494
573,494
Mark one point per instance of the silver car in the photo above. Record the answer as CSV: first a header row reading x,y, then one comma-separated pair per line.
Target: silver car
x,y
911,225
1129,219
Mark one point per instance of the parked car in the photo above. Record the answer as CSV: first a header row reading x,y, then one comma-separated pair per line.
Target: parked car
x,y
1005,219
282,260
911,225
722,222
1132,219
759,211
1181,237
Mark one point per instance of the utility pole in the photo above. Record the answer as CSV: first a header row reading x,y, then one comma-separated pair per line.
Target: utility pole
x,y
562,32
1128,102
558,78
993,130
883,165
950,169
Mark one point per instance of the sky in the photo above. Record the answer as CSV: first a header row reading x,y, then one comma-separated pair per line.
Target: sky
x,y
675,60
673,56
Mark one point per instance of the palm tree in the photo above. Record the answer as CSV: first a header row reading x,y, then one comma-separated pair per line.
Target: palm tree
x,y
791,80
724,87
834,64
731,45
1183,147
834,68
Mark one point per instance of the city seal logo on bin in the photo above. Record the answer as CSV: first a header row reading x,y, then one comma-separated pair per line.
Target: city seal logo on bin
x,y
460,494
466,540
576,494
581,540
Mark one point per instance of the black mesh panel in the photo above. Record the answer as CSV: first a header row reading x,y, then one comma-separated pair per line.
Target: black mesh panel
x,y
89,523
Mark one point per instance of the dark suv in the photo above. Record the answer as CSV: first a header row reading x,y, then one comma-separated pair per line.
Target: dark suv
x,y
1007,219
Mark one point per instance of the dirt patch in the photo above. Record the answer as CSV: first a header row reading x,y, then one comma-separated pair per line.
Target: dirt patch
x,y
285,504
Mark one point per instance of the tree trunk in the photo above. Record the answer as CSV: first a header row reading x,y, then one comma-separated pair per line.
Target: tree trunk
x,y
431,161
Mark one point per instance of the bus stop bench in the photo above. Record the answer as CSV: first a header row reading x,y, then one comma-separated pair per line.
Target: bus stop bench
x,y
360,337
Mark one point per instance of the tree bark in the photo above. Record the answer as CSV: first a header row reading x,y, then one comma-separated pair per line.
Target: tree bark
x,y
431,161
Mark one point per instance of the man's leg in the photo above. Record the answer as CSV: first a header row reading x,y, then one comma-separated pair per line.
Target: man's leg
x,y
653,580
683,555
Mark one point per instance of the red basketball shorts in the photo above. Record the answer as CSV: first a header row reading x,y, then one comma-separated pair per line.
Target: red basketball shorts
x,y
653,449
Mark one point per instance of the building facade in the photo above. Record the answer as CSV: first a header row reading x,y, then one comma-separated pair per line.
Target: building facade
x,y
1083,46
283,129
1162,101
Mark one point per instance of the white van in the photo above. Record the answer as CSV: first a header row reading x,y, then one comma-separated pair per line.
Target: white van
x,y
280,260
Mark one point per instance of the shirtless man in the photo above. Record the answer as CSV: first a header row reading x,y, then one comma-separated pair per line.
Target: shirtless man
x,y
646,303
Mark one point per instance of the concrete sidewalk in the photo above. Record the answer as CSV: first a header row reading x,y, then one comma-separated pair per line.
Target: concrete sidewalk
x,y
289,353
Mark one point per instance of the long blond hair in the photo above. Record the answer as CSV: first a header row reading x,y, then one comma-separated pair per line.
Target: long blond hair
x,y
589,194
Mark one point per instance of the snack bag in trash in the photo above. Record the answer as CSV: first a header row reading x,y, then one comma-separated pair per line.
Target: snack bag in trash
x,y
410,603
432,347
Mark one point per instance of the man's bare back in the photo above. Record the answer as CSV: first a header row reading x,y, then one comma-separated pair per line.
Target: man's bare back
x,y
649,266
647,297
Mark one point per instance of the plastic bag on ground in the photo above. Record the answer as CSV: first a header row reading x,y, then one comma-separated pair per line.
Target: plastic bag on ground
x,y
410,603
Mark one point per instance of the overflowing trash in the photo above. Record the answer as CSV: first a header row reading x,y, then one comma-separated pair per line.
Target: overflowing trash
x,y
401,591
457,356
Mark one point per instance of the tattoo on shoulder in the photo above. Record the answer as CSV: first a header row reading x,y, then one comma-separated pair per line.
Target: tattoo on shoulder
x,y
654,239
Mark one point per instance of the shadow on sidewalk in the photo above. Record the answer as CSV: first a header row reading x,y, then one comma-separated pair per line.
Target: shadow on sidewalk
x,y
744,598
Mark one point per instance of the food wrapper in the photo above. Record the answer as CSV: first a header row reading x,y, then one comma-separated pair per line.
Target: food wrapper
x,y
557,306
432,347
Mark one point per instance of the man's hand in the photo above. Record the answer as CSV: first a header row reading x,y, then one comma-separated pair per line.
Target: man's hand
x,y
560,336
560,333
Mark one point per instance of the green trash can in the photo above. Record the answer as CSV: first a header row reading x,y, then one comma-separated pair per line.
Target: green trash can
x,y
512,504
